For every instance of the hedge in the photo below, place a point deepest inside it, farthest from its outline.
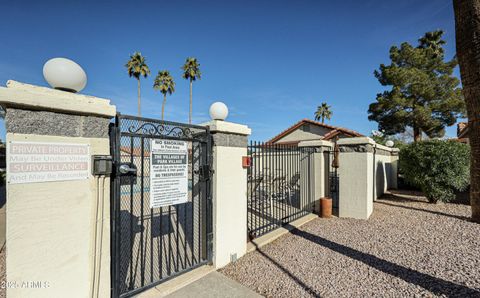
(438, 168)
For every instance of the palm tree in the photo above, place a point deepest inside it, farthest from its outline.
(165, 84)
(323, 112)
(137, 67)
(467, 31)
(191, 71)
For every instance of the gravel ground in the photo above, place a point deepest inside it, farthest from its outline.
(408, 247)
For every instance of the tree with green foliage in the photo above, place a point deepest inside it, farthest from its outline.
(323, 111)
(424, 94)
(433, 40)
(164, 83)
(191, 72)
(136, 68)
(380, 138)
(438, 168)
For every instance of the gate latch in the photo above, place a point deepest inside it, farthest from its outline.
(127, 169)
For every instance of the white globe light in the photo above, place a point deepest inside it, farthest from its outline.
(64, 74)
(389, 143)
(218, 111)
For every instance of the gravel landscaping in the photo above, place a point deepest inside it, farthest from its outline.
(408, 247)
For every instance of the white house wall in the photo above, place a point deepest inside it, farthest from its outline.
(298, 134)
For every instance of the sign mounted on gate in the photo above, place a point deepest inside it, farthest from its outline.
(168, 173)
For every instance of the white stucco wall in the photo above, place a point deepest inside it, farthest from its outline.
(382, 170)
(356, 185)
(394, 174)
(50, 229)
(230, 204)
(54, 248)
(385, 169)
(365, 176)
(229, 194)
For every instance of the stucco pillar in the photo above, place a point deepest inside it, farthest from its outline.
(394, 164)
(58, 232)
(229, 191)
(356, 177)
(321, 169)
(385, 167)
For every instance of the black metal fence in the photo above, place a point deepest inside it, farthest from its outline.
(151, 245)
(333, 181)
(279, 187)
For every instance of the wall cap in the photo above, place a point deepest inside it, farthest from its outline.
(315, 143)
(356, 141)
(383, 147)
(228, 127)
(365, 141)
(21, 95)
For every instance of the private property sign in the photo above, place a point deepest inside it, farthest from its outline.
(168, 173)
(30, 162)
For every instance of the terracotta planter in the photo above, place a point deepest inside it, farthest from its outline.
(326, 207)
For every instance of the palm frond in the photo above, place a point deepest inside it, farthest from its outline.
(323, 112)
(164, 82)
(137, 66)
(191, 69)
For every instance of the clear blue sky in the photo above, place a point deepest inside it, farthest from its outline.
(271, 62)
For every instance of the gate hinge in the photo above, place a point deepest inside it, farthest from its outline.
(210, 246)
(205, 172)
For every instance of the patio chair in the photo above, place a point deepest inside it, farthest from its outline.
(293, 186)
(254, 193)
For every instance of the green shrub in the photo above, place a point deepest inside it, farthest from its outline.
(438, 168)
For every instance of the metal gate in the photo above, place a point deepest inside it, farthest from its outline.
(151, 245)
(279, 186)
(333, 181)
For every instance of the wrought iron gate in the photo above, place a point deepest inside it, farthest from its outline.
(279, 186)
(151, 245)
(333, 181)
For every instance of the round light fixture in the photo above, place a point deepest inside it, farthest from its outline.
(389, 143)
(64, 74)
(218, 111)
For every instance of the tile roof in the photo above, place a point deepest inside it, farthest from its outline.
(335, 130)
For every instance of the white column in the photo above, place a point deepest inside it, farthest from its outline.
(366, 171)
(58, 232)
(229, 191)
(321, 169)
(356, 177)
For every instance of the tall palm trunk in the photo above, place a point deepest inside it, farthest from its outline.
(190, 115)
(467, 31)
(139, 101)
(163, 104)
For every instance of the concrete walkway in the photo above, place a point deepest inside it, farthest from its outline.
(214, 285)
